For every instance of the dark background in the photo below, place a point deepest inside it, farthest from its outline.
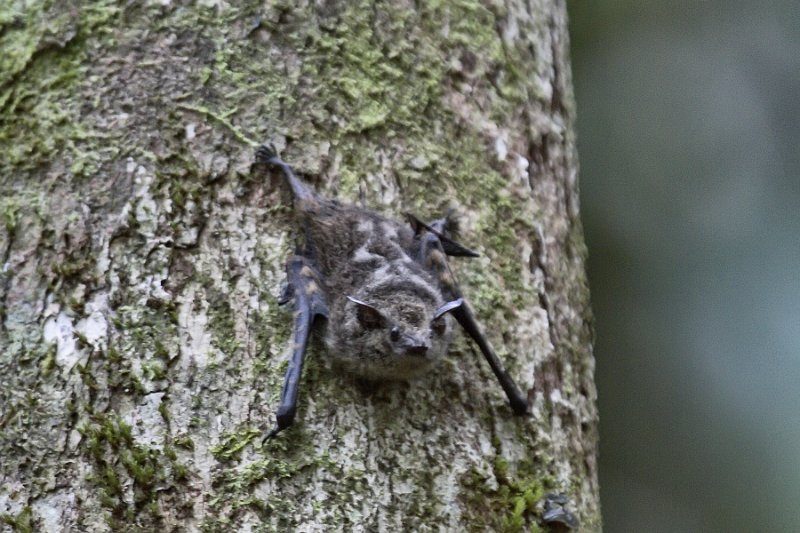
(689, 139)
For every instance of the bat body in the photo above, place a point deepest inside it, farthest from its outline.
(383, 289)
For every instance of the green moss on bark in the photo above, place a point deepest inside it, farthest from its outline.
(510, 506)
(43, 49)
(128, 475)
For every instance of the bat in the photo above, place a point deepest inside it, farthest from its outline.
(381, 291)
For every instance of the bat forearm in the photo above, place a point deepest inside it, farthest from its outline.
(464, 316)
(309, 303)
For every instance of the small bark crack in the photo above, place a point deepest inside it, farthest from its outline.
(6, 273)
(548, 375)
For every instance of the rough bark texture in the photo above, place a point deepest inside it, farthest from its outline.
(142, 346)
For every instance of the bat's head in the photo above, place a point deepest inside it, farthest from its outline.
(398, 334)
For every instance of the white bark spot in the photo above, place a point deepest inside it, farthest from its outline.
(145, 207)
(146, 421)
(195, 339)
(52, 508)
(156, 289)
(190, 130)
(146, 211)
(419, 163)
(510, 31)
(543, 86)
(74, 439)
(59, 330)
(188, 237)
(95, 326)
(522, 165)
(103, 260)
(501, 148)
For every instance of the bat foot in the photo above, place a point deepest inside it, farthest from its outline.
(282, 423)
(267, 155)
(273, 432)
(519, 406)
(283, 420)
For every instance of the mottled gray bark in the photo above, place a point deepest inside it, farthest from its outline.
(142, 346)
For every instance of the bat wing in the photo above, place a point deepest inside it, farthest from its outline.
(310, 304)
(431, 247)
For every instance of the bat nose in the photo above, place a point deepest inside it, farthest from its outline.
(416, 346)
(417, 351)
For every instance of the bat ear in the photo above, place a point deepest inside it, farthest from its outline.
(437, 227)
(417, 225)
(446, 308)
(368, 316)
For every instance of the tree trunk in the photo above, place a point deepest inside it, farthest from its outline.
(143, 348)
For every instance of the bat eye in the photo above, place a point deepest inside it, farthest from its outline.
(438, 326)
(395, 334)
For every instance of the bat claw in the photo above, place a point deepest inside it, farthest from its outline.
(273, 432)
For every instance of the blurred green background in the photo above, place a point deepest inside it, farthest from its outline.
(689, 140)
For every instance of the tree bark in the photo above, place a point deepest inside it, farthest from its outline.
(142, 346)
